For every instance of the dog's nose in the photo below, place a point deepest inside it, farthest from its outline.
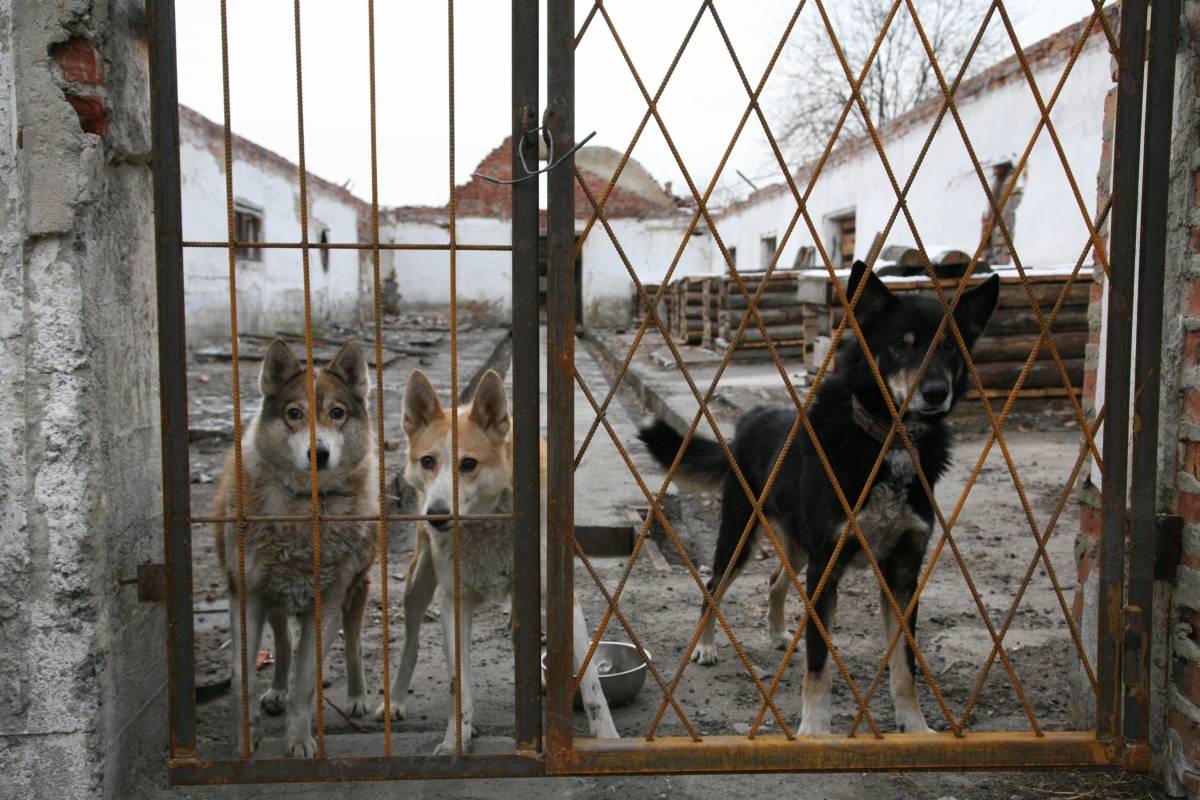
(322, 456)
(438, 510)
(935, 394)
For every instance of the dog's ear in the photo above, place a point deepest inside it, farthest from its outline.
(350, 365)
(489, 408)
(875, 295)
(421, 404)
(976, 308)
(279, 367)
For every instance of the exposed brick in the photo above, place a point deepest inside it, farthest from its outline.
(1194, 240)
(1189, 508)
(1191, 404)
(1193, 305)
(1089, 384)
(1188, 734)
(78, 61)
(1196, 188)
(92, 116)
(1191, 458)
(1191, 347)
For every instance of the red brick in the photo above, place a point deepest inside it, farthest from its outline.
(1191, 458)
(1191, 347)
(1196, 188)
(1190, 561)
(1089, 384)
(1189, 508)
(1193, 306)
(78, 61)
(1191, 403)
(92, 116)
(1194, 239)
(1188, 734)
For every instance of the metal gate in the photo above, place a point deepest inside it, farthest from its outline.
(1118, 672)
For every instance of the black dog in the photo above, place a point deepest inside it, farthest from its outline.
(851, 421)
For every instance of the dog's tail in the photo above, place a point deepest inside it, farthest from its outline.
(703, 463)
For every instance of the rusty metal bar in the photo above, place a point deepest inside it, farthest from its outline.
(172, 366)
(526, 388)
(1156, 169)
(348, 246)
(1118, 355)
(985, 751)
(560, 374)
(363, 768)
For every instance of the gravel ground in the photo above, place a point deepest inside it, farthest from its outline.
(992, 536)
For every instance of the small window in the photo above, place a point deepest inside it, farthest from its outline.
(247, 227)
(842, 244)
(733, 256)
(325, 250)
(767, 251)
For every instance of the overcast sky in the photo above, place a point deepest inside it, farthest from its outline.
(700, 106)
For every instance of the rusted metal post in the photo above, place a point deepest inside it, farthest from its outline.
(1156, 168)
(1118, 356)
(172, 366)
(526, 383)
(560, 374)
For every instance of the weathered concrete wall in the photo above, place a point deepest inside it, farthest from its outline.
(81, 699)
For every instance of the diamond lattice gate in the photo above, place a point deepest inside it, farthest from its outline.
(1112, 660)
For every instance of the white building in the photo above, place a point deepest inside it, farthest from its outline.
(852, 198)
(849, 206)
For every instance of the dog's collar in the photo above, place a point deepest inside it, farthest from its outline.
(878, 429)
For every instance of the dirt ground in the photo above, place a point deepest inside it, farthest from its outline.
(992, 535)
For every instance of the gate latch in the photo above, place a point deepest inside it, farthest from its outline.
(151, 582)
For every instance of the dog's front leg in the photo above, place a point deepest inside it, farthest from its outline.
(449, 744)
(901, 570)
(817, 696)
(274, 700)
(353, 609)
(600, 721)
(419, 588)
(255, 617)
(300, 741)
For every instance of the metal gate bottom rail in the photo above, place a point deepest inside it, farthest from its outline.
(713, 754)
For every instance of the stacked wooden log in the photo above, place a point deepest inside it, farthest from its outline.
(1000, 355)
(692, 307)
(778, 308)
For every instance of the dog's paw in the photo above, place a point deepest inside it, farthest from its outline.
(301, 746)
(815, 725)
(274, 701)
(449, 747)
(356, 706)
(398, 712)
(781, 639)
(705, 654)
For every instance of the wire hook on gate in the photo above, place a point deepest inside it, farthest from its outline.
(554, 162)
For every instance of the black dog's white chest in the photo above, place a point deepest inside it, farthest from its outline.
(888, 515)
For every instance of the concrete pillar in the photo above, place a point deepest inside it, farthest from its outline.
(82, 694)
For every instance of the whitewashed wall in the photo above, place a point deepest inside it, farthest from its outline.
(270, 291)
(650, 245)
(947, 201)
(484, 277)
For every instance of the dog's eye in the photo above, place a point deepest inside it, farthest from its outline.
(428, 462)
(467, 465)
(337, 412)
(295, 414)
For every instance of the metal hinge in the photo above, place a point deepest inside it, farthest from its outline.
(151, 582)
(1168, 546)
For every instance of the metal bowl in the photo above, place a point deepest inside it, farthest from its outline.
(622, 672)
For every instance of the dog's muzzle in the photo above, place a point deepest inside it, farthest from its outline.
(322, 456)
(438, 524)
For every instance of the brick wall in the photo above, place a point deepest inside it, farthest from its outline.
(1175, 679)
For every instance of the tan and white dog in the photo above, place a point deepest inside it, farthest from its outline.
(485, 547)
(279, 555)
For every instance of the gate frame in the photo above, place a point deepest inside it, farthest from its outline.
(1123, 659)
